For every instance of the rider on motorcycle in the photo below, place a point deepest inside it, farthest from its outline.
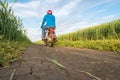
(48, 21)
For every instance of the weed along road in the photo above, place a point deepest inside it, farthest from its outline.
(61, 63)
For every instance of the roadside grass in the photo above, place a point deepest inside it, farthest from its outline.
(38, 42)
(10, 52)
(13, 38)
(102, 45)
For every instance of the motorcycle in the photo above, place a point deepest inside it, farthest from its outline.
(50, 37)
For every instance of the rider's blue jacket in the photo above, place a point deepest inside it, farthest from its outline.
(48, 21)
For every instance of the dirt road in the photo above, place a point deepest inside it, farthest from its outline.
(61, 63)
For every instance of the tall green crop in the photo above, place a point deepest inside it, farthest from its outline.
(104, 31)
(11, 26)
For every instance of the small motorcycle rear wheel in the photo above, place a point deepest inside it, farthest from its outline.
(51, 44)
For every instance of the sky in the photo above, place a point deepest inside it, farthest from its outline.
(71, 15)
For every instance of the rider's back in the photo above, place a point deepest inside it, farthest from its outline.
(50, 20)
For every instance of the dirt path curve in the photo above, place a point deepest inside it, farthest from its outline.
(61, 63)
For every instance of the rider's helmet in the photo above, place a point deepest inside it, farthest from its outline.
(49, 12)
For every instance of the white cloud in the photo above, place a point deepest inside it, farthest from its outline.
(103, 19)
(26, 13)
(30, 5)
(27, 9)
(0, 7)
(52, 1)
(66, 9)
(34, 8)
(106, 17)
(34, 33)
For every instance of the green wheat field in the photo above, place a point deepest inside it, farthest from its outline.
(102, 37)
